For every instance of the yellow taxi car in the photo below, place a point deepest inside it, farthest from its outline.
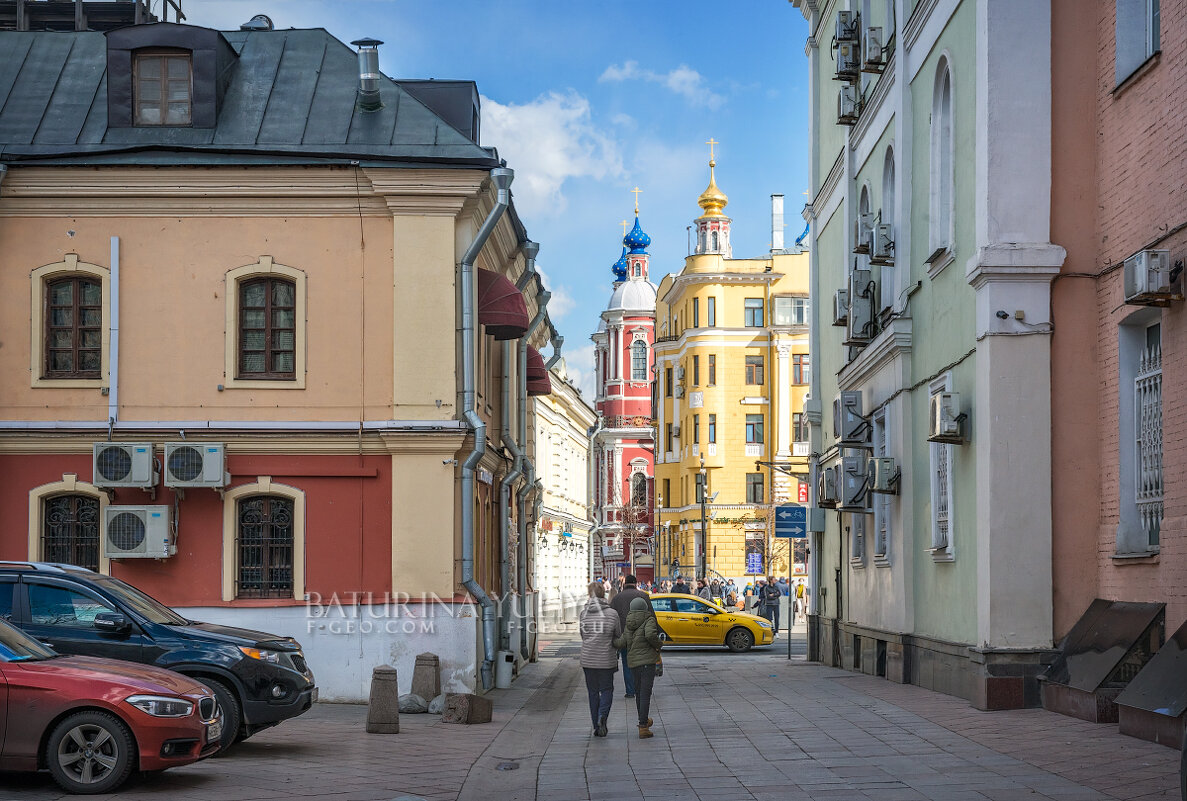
(689, 620)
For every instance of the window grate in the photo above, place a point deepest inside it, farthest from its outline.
(1148, 397)
(70, 532)
(941, 530)
(265, 548)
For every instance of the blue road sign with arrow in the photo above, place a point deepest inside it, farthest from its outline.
(791, 521)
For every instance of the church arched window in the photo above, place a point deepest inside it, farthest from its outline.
(639, 361)
(714, 240)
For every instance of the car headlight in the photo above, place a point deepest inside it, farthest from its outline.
(766, 624)
(160, 706)
(263, 656)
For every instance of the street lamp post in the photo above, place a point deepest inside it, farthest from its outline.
(703, 491)
(658, 543)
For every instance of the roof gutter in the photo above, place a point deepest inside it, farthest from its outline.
(502, 177)
(557, 342)
(542, 299)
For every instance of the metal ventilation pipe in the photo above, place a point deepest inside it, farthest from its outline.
(502, 177)
(776, 222)
(369, 75)
(557, 342)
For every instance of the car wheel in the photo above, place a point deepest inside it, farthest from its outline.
(739, 640)
(232, 714)
(90, 752)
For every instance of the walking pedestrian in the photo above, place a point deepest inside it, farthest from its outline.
(801, 599)
(641, 643)
(769, 597)
(731, 593)
(600, 626)
(681, 586)
(621, 603)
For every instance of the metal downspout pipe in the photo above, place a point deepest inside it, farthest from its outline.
(557, 342)
(502, 177)
(505, 489)
(542, 299)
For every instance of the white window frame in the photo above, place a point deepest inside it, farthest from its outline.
(638, 349)
(941, 186)
(883, 517)
(1137, 36)
(941, 460)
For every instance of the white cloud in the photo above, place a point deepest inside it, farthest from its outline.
(580, 364)
(547, 142)
(562, 302)
(683, 80)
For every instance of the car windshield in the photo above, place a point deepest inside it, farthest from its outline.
(147, 607)
(16, 646)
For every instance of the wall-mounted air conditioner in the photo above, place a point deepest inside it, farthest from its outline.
(841, 307)
(860, 328)
(679, 373)
(678, 391)
(883, 475)
(848, 61)
(196, 464)
(847, 26)
(850, 428)
(882, 251)
(1148, 280)
(826, 488)
(871, 51)
(675, 431)
(945, 418)
(853, 484)
(123, 464)
(138, 532)
(861, 233)
(848, 109)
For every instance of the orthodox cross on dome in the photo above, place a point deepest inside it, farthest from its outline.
(711, 143)
(637, 191)
(623, 224)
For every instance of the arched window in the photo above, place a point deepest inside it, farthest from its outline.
(639, 489)
(639, 361)
(70, 530)
(714, 240)
(264, 547)
(863, 214)
(74, 327)
(941, 188)
(888, 186)
(267, 328)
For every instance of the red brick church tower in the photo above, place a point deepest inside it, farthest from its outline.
(623, 449)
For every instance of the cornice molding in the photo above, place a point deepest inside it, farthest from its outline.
(250, 443)
(917, 21)
(893, 342)
(830, 182)
(882, 89)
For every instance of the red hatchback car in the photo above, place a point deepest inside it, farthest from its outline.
(91, 722)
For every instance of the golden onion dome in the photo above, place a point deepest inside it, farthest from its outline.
(712, 200)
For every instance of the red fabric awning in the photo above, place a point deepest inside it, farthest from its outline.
(501, 307)
(539, 386)
(536, 368)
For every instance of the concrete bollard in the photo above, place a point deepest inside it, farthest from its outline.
(383, 710)
(426, 676)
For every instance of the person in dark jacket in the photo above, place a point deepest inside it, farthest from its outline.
(641, 642)
(600, 626)
(621, 603)
(769, 595)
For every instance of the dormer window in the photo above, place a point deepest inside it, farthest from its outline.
(164, 88)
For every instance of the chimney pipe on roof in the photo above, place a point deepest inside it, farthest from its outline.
(776, 223)
(369, 75)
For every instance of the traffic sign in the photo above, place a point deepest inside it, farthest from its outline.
(791, 521)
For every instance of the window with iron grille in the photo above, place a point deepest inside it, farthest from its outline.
(941, 458)
(754, 370)
(70, 530)
(1148, 407)
(163, 88)
(264, 546)
(74, 328)
(267, 329)
(881, 500)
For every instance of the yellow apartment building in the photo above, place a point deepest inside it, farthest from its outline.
(732, 370)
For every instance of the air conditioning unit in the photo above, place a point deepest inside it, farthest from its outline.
(841, 307)
(847, 105)
(124, 464)
(849, 427)
(679, 373)
(675, 431)
(1148, 279)
(882, 251)
(138, 532)
(678, 391)
(196, 464)
(847, 22)
(853, 483)
(861, 233)
(883, 475)
(848, 61)
(945, 418)
(826, 488)
(871, 51)
(861, 309)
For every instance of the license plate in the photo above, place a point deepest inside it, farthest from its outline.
(214, 731)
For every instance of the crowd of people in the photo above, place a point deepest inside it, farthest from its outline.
(618, 625)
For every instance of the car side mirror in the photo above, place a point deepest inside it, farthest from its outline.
(111, 622)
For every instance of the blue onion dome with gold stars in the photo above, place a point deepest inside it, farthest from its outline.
(636, 240)
(620, 267)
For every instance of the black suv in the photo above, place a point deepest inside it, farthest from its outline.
(259, 679)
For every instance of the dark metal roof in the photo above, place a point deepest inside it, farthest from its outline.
(291, 99)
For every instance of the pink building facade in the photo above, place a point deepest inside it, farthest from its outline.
(623, 452)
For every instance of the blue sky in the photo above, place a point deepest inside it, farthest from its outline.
(587, 101)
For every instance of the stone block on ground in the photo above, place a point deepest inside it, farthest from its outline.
(437, 705)
(426, 676)
(413, 704)
(383, 709)
(467, 708)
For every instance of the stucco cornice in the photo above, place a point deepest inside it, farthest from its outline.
(250, 443)
(830, 182)
(894, 342)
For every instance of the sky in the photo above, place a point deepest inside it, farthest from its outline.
(587, 101)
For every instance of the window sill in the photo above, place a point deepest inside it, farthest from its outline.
(881, 561)
(1145, 67)
(941, 258)
(1150, 557)
(857, 563)
(261, 383)
(70, 383)
(941, 554)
